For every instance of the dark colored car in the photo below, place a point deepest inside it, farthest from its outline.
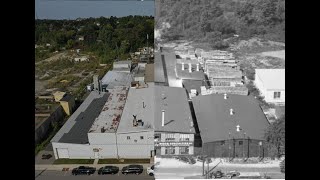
(108, 170)
(217, 174)
(46, 156)
(232, 174)
(132, 169)
(83, 170)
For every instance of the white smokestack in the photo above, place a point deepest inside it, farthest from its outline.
(225, 96)
(182, 66)
(190, 68)
(162, 117)
(197, 67)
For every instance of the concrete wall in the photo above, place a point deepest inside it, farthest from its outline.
(76, 151)
(106, 142)
(135, 147)
(231, 148)
(42, 130)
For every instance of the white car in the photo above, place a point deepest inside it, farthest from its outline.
(150, 171)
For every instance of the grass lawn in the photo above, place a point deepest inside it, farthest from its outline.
(125, 161)
(73, 161)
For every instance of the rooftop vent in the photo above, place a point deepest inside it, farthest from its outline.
(231, 112)
(134, 122)
(103, 130)
(140, 122)
(225, 96)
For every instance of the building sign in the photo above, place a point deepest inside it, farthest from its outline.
(174, 144)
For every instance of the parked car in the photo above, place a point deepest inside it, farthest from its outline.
(108, 170)
(46, 156)
(150, 171)
(217, 174)
(83, 170)
(232, 174)
(132, 169)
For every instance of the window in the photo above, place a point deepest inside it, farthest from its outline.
(184, 150)
(169, 137)
(222, 143)
(240, 142)
(184, 137)
(128, 137)
(170, 150)
(276, 95)
(141, 137)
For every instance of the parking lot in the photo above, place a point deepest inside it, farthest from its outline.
(61, 175)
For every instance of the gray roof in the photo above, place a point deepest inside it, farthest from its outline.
(158, 69)
(76, 128)
(215, 122)
(194, 84)
(149, 77)
(177, 111)
(140, 103)
(114, 78)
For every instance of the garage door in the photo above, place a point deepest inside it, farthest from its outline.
(62, 153)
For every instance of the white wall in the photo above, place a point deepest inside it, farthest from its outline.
(76, 151)
(269, 94)
(128, 148)
(269, 97)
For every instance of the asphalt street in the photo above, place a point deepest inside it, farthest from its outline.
(66, 175)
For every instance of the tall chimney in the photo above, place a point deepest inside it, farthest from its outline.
(198, 67)
(190, 68)
(182, 66)
(225, 96)
(162, 118)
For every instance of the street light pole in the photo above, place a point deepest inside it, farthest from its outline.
(244, 134)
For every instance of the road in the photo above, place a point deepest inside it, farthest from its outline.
(181, 173)
(61, 175)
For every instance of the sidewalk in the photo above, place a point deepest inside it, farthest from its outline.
(59, 167)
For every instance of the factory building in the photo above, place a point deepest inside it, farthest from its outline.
(231, 125)
(174, 130)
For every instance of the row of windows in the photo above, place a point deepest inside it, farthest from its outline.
(172, 150)
(276, 95)
(182, 137)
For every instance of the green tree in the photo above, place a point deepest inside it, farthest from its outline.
(70, 44)
(275, 138)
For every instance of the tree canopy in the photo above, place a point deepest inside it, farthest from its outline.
(194, 19)
(109, 37)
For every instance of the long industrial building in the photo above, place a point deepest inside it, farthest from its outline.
(109, 125)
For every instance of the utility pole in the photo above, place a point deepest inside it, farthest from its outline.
(244, 134)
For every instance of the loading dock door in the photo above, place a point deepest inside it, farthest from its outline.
(63, 153)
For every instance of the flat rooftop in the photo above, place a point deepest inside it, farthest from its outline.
(223, 72)
(149, 74)
(77, 126)
(174, 102)
(158, 69)
(140, 103)
(122, 62)
(114, 78)
(109, 118)
(185, 74)
(215, 122)
(272, 78)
